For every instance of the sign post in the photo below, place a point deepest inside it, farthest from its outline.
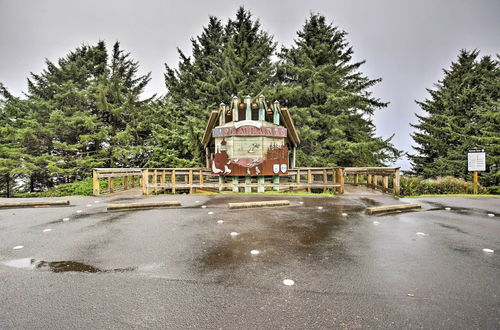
(476, 161)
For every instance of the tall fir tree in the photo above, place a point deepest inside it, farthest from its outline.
(227, 60)
(330, 98)
(463, 112)
(82, 112)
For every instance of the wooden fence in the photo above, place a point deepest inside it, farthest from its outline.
(385, 179)
(173, 180)
(127, 175)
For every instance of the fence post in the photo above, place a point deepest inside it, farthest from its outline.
(172, 180)
(385, 183)
(145, 181)
(356, 179)
(125, 182)
(95, 183)
(190, 180)
(201, 177)
(341, 177)
(309, 180)
(325, 179)
(396, 182)
(111, 184)
(368, 180)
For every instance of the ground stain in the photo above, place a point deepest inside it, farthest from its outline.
(60, 266)
(452, 227)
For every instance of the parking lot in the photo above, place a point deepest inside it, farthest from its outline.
(205, 266)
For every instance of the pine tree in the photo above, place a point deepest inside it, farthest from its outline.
(462, 113)
(330, 100)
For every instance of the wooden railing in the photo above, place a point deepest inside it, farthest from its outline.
(385, 179)
(156, 180)
(127, 175)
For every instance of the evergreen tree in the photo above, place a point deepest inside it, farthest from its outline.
(83, 112)
(330, 100)
(234, 59)
(462, 113)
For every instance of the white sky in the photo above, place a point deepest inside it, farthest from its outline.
(406, 43)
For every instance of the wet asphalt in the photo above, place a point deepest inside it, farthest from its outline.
(180, 268)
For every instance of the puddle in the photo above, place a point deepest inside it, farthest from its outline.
(60, 266)
(370, 202)
(283, 234)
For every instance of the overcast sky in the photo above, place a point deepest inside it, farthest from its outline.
(406, 43)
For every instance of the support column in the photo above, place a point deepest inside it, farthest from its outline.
(261, 180)
(325, 179)
(341, 177)
(96, 189)
(276, 179)
(356, 179)
(374, 181)
(368, 180)
(248, 180)
(294, 156)
(236, 181)
(222, 180)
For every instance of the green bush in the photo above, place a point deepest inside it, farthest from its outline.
(80, 188)
(411, 186)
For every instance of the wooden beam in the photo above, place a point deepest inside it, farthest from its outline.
(147, 205)
(392, 208)
(395, 183)
(5, 205)
(258, 204)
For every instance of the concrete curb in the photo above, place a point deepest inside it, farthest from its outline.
(128, 206)
(392, 208)
(257, 204)
(7, 205)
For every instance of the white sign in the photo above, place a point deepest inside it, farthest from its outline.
(276, 168)
(283, 168)
(476, 160)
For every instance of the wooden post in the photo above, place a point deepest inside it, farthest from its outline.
(261, 180)
(201, 177)
(297, 179)
(248, 111)
(309, 180)
(248, 180)
(395, 183)
(385, 183)
(162, 178)
(125, 182)
(475, 180)
(236, 103)
(236, 180)
(276, 179)
(95, 183)
(111, 184)
(325, 179)
(375, 181)
(356, 179)
(190, 181)
(145, 181)
(341, 180)
(207, 158)
(155, 180)
(368, 180)
(222, 180)
(294, 157)
(172, 180)
(132, 182)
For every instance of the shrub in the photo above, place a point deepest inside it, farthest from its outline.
(448, 185)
